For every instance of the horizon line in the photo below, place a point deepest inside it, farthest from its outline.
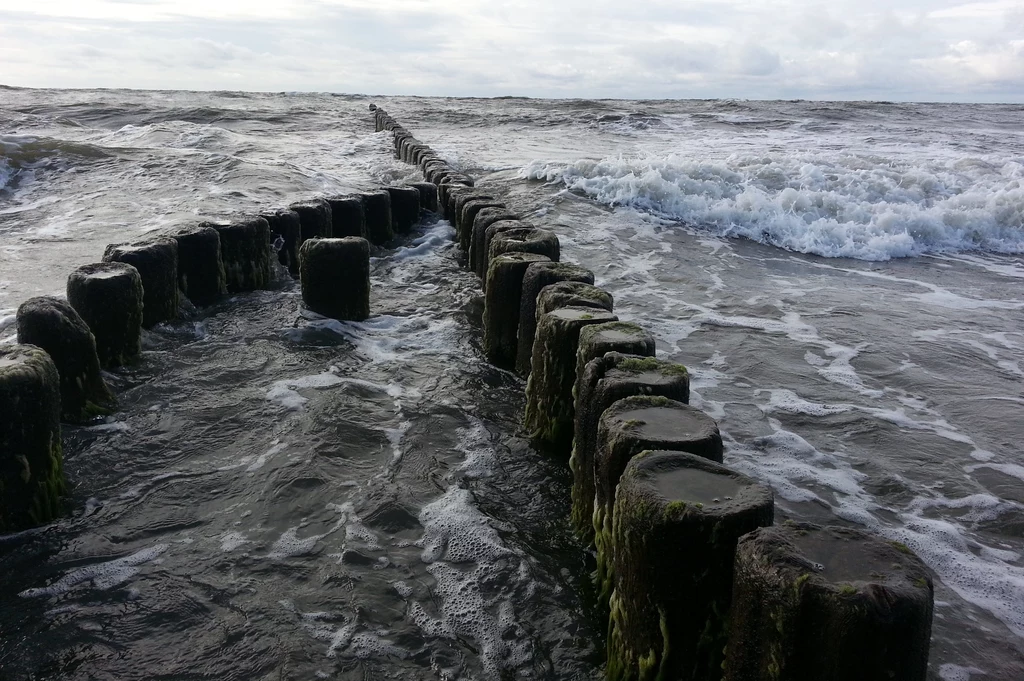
(5, 86)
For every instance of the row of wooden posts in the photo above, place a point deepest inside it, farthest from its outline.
(695, 579)
(53, 373)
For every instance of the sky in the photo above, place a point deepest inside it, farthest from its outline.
(898, 50)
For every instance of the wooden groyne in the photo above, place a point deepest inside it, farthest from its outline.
(696, 580)
(53, 374)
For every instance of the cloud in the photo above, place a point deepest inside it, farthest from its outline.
(871, 49)
(754, 60)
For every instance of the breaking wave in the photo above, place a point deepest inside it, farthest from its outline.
(847, 206)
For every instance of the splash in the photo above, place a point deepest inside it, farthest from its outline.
(834, 206)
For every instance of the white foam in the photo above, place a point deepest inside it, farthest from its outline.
(258, 462)
(289, 544)
(464, 551)
(1011, 469)
(1011, 366)
(983, 579)
(101, 575)
(936, 295)
(434, 239)
(952, 672)
(841, 372)
(110, 427)
(788, 401)
(465, 612)
(1013, 270)
(232, 540)
(938, 426)
(402, 589)
(347, 640)
(285, 393)
(355, 531)
(838, 370)
(839, 206)
(388, 338)
(475, 443)
(455, 531)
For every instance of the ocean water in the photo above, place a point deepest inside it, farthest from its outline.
(283, 496)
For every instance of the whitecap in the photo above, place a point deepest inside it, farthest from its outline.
(839, 206)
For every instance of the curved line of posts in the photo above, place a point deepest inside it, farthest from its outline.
(694, 577)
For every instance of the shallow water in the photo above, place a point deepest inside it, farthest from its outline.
(287, 497)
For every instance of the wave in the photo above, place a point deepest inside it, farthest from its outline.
(854, 206)
(24, 150)
(21, 156)
(7, 173)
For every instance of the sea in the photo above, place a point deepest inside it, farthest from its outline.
(283, 496)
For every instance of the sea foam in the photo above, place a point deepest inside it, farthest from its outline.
(841, 206)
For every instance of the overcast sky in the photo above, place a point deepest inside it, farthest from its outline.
(843, 49)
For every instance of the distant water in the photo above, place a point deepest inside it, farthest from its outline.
(288, 497)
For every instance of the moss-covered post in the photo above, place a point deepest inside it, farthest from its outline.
(435, 169)
(31, 458)
(453, 186)
(447, 178)
(245, 252)
(833, 603)
(459, 201)
(315, 218)
(403, 147)
(200, 269)
(347, 217)
(455, 196)
(501, 306)
(549, 401)
(572, 294)
(417, 153)
(438, 172)
(335, 277)
(467, 216)
(483, 220)
(108, 296)
(411, 148)
(448, 188)
(53, 325)
(405, 207)
(459, 198)
(525, 240)
(286, 234)
(157, 263)
(628, 427)
(677, 519)
(428, 195)
(377, 210)
(412, 152)
(483, 257)
(604, 381)
(623, 337)
(427, 157)
(536, 278)
(402, 141)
